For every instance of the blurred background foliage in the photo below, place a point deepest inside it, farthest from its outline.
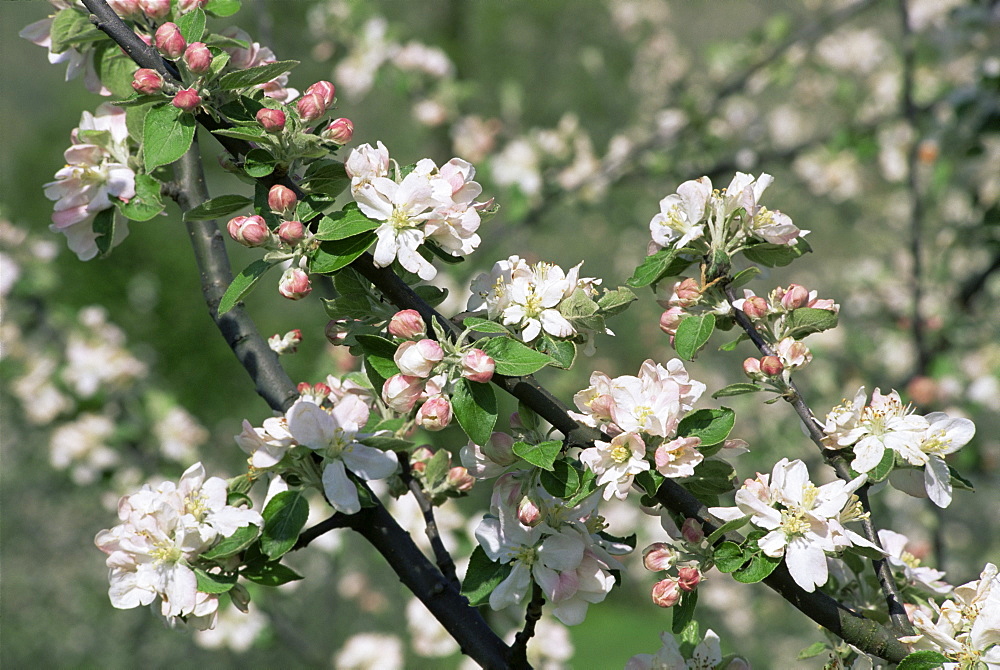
(580, 116)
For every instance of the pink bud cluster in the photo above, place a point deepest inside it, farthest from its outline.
(781, 301)
(316, 100)
(684, 294)
(663, 556)
(456, 482)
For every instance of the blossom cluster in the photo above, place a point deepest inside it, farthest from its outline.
(326, 421)
(428, 204)
(641, 414)
(707, 654)
(967, 629)
(805, 522)
(529, 297)
(868, 429)
(153, 552)
(684, 554)
(428, 370)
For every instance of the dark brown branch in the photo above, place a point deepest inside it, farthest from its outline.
(519, 650)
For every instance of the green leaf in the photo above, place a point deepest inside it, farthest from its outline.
(485, 326)
(776, 255)
(386, 443)
(167, 133)
(216, 208)
(807, 320)
(815, 649)
(333, 255)
(146, 203)
(436, 469)
(711, 478)
(652, 269)
(284, 518)
(104, 226)
(192, 25)
(222, 8)
(243, 283)
(735, 524)
(649, 481)
(731, 346)
(214, 583)
(259, 163)
(255, 75)
(345, 223)
(736, 389)
(884, 467)
(482, 576)
(513, 358)
(683, 612)
(711, 425)
(960, 482)
(563, 352)
(475, 407)
(616, 301)
(925, 659)
(326, 176)
(729, 557)
(379, 353)
(563, 481)
(115, 69)
(760, 566)
(234, 544)
(541, 455)
(744, 277)
(692, 334)
(71, 26)
(578, 304)
(271, 573)
(246, 133)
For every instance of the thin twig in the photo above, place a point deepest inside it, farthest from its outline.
(443, 559)
(519, 650)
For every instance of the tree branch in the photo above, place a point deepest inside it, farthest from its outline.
(519, 650)
(443, 559)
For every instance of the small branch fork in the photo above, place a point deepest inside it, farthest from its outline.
(444, 560)
(375, 524)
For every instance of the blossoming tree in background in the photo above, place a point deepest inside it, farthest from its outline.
(372, 229)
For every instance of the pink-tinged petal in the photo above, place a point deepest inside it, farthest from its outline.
(937, 481)
(867, 454)
(369, 462)
(339, 489)
(351, 412)
(38, 33)
(561, 552)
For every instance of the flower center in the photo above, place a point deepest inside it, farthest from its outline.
(194, 504)
(794, 522)
(165, 552)
(400, 220)
(935, 443)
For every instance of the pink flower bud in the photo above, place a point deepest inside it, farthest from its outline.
(310, 107)
(602, 406)
(187, 99)
(281, 199)
(407, 324)
(670, 319)
(400, 392)
(250, 231)
(665, 593)
(459, 479)
(147, 81)
(304, 388)
(185, 6)
(271, 120)
(477, 366)
(688, 292)
(420, 457)
(294, 284)
(197, 57)
(155, 9)
(771, 366)
(751, 367)
(688, 578)
(340, 131)
(795, 296)
(793, 354)
(336, 331)
(435, 414)
(692, 531)
(418, 359)
(500, 449)
(755, 307)
(325, 90)
(291, 232)
(528, 513)
(658, 556)
(169, 41)
(125, 8)
(320, 390)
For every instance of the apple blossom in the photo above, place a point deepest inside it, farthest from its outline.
(325, 90)
(401, 392)
(250, 231)
(418, 358)
(339, 131)
(708, 654)
(658, 556)
(253, 56)
(169, 41)
(681, 214)
(771, 366)
(155, 9)
(197, 57)
(616, 463)
(666, 592)
(678, 457)
(285, 344)
(478, 366)
(271, 120)
(435, 414)
(792, 353)
(365, 164)
(187, 99)
(310, 107)
(898, 557)
(688, 578)
(407, 324)
(147, 82)
(294, 284)
(291, 232)
(459, 479)
(266, 445)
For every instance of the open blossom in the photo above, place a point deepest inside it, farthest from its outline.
(77, 62)
(898, 557)
(163, 530)
(96, 173)
(945, 435)
(616, 463)
(708, 654)
(253, 56)
(403, 208)
(682, 214)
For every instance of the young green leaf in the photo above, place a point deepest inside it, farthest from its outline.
(146, 203)
(271, 573)
(513, 358)
(482, 576)
(222, 8)
(616, 301)
(884, 467)
(776, 255)
(255, 75)
(333, 255)
(214, 583)
(379, 353)
(243, 283)
(234, 544)
(711, 425)
(807, 320)
(345, 223)
(541, 455)
(729, 557)
(192, 25)
(563, 352)
(216, 208)
(563, 481)
(925, 659)
(683, 612)
(737, 389)
(167, 133)
(692, 334)
(475, 407)
(284, 518)
(259, 163)
(652, 269)
(760, 566)
(815, 649)
(485, 326)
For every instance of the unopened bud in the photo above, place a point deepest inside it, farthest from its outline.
(169, 41)
(291, 232)
(294, 284)
(187, 100)
(459, 479)
(340, 131)
(419, 358)
(601, 406)
(155, 9)
(325, 90)
(670, 319)
(271, 120)
(688, 292)
(477, 366)
(435, 414)
(281, 199)
(666, 593)
(658, 556)
(795, 296)
(751, 367)
(125, 8)
(240, 598)
(400, 392)
(320, 390)
(147, 81)
(407, 324)
(755, 307)
(310, 107)
(419, 459)
(197, 57)
(185, 6)
(500, 449)
(692, 531)
(528, 512)
(688, 578)
(771, 366)
(336, 330)
(250, 231)
(304, 388)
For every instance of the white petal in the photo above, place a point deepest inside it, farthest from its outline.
(937, 481)
(369, 462)
(339, 489)
(807, 564)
